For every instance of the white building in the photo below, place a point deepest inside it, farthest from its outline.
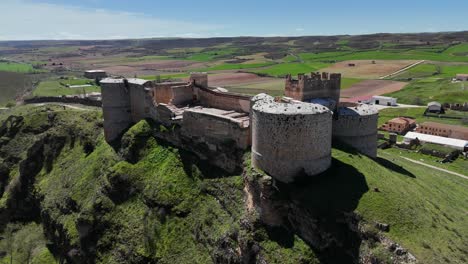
(383, 100)
(448, 142)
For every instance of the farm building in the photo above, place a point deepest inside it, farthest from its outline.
(435, 107)
(462, 77)
(399, 125)
(443, 141)
(95, 74)
(383, 100)
(443, 130)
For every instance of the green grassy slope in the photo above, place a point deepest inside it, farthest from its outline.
(432, 89)
(425, 208)
(145, 201)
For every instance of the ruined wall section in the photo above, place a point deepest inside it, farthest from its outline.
(115, 107)
(139, 103)
(214, 128)
(357, 126)
(289, 140)
(199, 79)
(162, 92)
(315, 86)
(182, 95)
(225, 101)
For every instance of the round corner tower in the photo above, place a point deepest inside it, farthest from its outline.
(116, 107)
(290, 139)
(356, 125)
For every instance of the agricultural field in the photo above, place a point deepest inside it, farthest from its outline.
(421, 92)
(374, 56)
(371, 87)
(57, 87)
(368, 69)
(418, 114)
(17, 67)
(12, 84)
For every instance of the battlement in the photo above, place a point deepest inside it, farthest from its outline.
(313, 86)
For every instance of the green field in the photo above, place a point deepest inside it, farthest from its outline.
(454, 54)
(212, 55)
(459, 166)
(281, 70)
(417, 113)
(432, 89)
(234, 66)
(16, 67)
(165, 76)
(54, 88)
(425, 208)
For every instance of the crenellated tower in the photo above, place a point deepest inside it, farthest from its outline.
(316, 86)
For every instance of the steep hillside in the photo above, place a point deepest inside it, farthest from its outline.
(68, 195)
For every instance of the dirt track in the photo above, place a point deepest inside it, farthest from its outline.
(367, 69)
(372, 87)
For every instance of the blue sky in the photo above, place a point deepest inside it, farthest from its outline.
(110, 19)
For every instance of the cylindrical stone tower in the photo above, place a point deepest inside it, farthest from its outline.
(115, 107)
(290, 139)
(356, 125)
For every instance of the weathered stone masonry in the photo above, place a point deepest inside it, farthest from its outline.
(290, 136)
(290, 139)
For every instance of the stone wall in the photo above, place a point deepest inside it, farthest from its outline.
(115, 107)
(138, 98)
(357, 127)
(225, 101)
(182, 95)
(65, 100)
(199, 79)
(162, 92)
(314, 86)
(214, 129)
(289, 140)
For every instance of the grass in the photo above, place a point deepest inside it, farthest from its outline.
(434, 70)
(165, 76)
(164, 206)
(234, 66)
(212, 55)
(425, 208)
(13, 84)
(17, 67)
(281, 70)
(348, 82)
(417, 113)
(459, 166)
(55, 88)
(432, 89)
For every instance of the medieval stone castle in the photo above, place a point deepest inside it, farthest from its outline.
(288, 136)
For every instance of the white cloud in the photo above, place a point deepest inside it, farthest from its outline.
(299, 29)
(23, 20)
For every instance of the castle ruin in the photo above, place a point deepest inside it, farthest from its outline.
(288, 136)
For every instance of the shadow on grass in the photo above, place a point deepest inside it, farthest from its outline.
(394, 167)
(320, 210)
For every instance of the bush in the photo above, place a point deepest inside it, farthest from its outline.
(10, 104)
